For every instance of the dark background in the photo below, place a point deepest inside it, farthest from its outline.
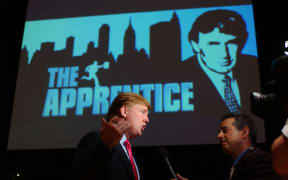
(195, 161)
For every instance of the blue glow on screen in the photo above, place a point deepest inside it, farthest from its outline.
(86, 29)
(71, 69)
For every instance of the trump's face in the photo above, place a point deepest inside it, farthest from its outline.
(137, 116)
(218, 51)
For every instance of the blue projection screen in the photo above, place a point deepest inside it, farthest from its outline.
(72, 67)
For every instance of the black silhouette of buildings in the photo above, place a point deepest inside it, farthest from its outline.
(133, 66)
(165, 55)
(103, 42)
(165, 47)
(99, 53)
(165, 42)
(132, 61)
(129, 40)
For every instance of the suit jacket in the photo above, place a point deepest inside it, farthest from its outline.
(255, 164)
(207, 100)
(93, 161)
(208, 103)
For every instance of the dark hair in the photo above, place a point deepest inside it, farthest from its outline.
(228, 22)
(242, 120)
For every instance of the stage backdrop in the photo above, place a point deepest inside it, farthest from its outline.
(77, 56)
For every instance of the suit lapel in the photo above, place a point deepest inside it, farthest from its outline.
(239, 164)
(204, 83)
(124, 159)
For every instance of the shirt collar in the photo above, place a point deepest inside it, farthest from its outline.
(123, 139)
(241, 154)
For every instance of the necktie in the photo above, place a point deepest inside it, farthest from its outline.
(229, 96)
(128, 147)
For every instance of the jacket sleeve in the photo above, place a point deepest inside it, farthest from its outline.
(91, 157)
(258, 166)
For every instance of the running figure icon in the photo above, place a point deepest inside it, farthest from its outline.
(92, 69)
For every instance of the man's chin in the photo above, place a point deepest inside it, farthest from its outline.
(224, 70)
(221, 69)
(139, 133)
(225, 148)
(226, 151)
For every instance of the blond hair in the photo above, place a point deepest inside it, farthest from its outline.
(125, 99)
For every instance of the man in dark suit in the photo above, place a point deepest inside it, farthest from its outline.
(105, 154)
(222, 76)
(237, 136)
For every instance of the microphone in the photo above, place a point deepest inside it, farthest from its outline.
(164, 153)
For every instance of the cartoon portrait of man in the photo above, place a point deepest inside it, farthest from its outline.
(223, 77)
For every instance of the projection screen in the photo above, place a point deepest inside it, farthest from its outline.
(74, 62)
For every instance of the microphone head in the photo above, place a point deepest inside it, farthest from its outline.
(163, 151)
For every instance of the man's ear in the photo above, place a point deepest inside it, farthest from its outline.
(123, 111)
(195, 46)
(245, 132)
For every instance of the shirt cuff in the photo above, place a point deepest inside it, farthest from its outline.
(285, 129)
